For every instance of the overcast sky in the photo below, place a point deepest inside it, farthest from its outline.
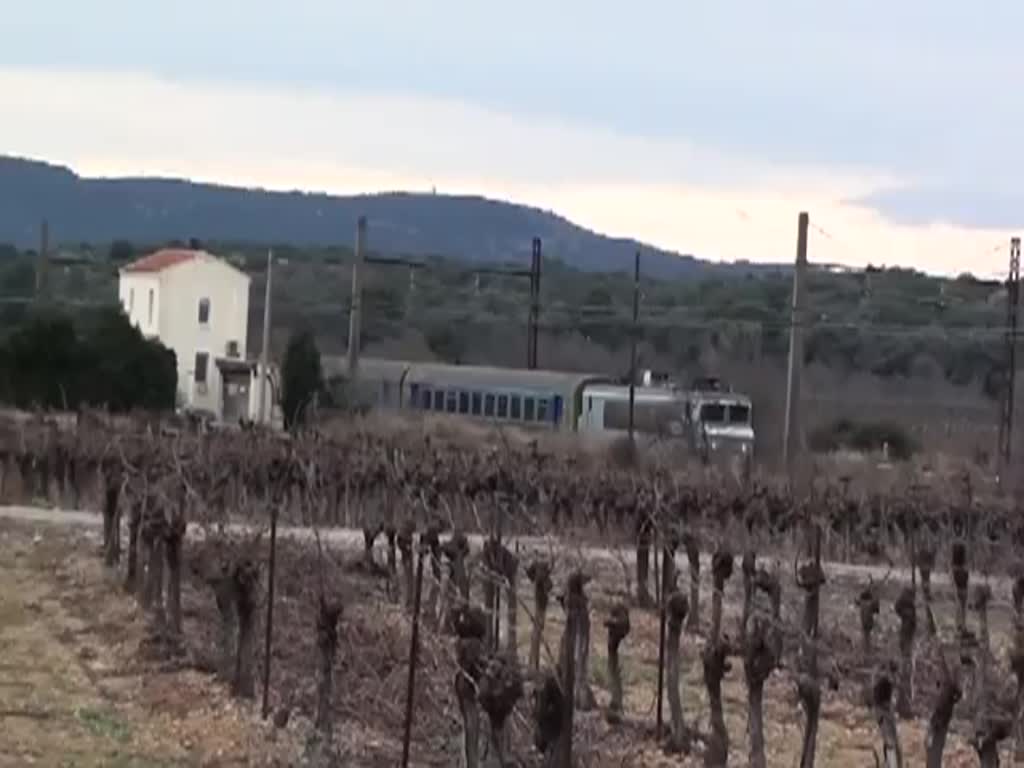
(699, 126)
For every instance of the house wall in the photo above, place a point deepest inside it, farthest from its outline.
(177, 291)
(134, 291)
(184, 286)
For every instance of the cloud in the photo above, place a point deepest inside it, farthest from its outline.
(676, 194)
(996, 206)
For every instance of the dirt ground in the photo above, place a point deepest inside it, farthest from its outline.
(73, 688)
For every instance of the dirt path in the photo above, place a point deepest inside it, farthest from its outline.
(351, 538)
(74, 690)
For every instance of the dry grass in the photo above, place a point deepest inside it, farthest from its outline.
(73, 690)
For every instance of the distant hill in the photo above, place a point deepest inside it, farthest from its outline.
(152, 210)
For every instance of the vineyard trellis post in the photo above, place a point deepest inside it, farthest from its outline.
(410, 693)
(792, 436)
(662, 603)
(270, 609)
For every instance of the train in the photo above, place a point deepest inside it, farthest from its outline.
(707, 416)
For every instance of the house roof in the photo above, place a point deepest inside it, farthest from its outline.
(161, 260)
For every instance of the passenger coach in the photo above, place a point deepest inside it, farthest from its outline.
(542, 399)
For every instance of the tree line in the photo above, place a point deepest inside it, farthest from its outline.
(890, 323)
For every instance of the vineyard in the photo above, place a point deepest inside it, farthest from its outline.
(405, 599)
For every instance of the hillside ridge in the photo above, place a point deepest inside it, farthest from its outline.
(158, 209)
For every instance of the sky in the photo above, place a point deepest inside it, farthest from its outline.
(701, 127)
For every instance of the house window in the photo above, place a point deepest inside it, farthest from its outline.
(463, 402)
(502, 406)
(202, 361)
(149, 313)
(516, 407)
(204, 311)
(528, 408)
(477, 402)
(489, 405)
(232, 349)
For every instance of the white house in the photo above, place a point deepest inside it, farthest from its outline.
(197, 305)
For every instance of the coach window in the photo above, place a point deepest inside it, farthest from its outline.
(463, 402)
(502, 406)
(438, 399)
(477, 402)
(488, 405)
(528, 408)
(424, 399)
(542, 409)
(452, 401)
(517, 407)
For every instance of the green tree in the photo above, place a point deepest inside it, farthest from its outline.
(17, 278)
(301, 377)
(126, 370)
(43, 360)
(121, 251)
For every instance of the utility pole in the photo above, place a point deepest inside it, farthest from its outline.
(1010, 389)
(264, 367)
(43, 262)
(792, 443)
(355, 313)
(531, 331)
(632, 349)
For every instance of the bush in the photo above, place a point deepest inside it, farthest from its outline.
(49, 363)
(865, 437)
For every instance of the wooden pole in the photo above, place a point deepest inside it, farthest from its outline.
(793, 438)
(355, 312)
(632, 350)
(264, 367)
(43, 262)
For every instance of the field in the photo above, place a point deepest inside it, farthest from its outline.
(76, 688)
(165, 593)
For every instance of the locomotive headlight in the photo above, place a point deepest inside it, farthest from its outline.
(714, 445)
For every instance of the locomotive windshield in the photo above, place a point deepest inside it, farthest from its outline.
(712, 413)
(739, 414)
(725, 413)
